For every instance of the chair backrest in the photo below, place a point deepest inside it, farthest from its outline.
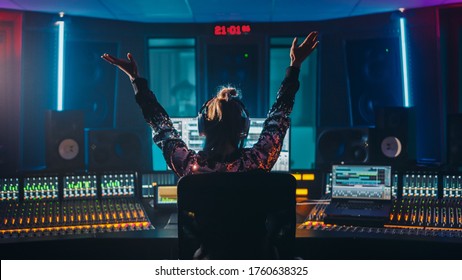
(249, 215)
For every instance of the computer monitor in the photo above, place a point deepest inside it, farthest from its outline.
(151, 181)
(361, 182)
(188, 130)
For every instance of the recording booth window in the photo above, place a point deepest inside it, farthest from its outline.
(303, 126)
(172, 76)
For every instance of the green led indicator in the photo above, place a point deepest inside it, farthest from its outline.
(246, 55)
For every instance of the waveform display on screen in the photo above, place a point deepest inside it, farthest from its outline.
(354, 181)
(9, 189)
(80, 186)
(118, 184)
(149, 181)
(167, 195)
(41, 187)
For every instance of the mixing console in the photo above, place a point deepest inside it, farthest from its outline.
(51, 218)
(37, 206)
(424, 204)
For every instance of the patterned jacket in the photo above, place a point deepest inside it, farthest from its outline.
(183, 161)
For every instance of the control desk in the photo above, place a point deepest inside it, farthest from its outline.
(132, 215)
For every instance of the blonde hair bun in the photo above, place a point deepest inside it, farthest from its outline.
(226, 93)
(215, 109)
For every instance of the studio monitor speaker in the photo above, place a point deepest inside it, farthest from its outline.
(341, 145)
(65, 140)
(393, 140)
(118, 149)
(374, 77)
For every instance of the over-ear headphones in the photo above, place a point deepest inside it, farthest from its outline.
(204, 125)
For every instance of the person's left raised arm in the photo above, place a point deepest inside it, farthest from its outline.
(269, 144)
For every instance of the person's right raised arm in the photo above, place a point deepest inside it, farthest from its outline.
(175, 151)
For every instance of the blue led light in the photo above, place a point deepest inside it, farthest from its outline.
(60, 65)
(402, 23)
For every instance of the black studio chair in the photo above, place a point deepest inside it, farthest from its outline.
(248, 215)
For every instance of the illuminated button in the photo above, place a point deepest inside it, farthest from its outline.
(297, 177)
(308, 177)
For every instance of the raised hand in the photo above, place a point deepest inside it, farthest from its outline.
(299, 53)
(128, 66)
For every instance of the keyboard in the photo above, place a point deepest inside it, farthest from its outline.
(358, 205)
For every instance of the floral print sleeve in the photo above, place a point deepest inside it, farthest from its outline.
(264, 154)
(183, 161)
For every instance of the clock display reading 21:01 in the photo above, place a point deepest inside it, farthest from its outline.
(222, 30)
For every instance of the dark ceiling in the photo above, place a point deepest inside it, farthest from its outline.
(152, 11)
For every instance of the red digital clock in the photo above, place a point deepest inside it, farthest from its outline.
(222, 30)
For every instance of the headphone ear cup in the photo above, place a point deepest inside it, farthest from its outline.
(245, 127)
(202, 118)
(201, 124)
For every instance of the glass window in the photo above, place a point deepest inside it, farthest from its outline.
(303, 126)
(172, 77)
(172, 74)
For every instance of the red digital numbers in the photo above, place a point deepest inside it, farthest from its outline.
(222, 30)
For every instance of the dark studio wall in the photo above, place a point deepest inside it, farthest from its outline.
(340, 103)
(425, 83)
(451, 61)
(10, 86)
(90, 85)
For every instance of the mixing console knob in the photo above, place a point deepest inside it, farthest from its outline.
(443, 216)
(437, 216)
(459, 217)
(451, 216)
(421, 216)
